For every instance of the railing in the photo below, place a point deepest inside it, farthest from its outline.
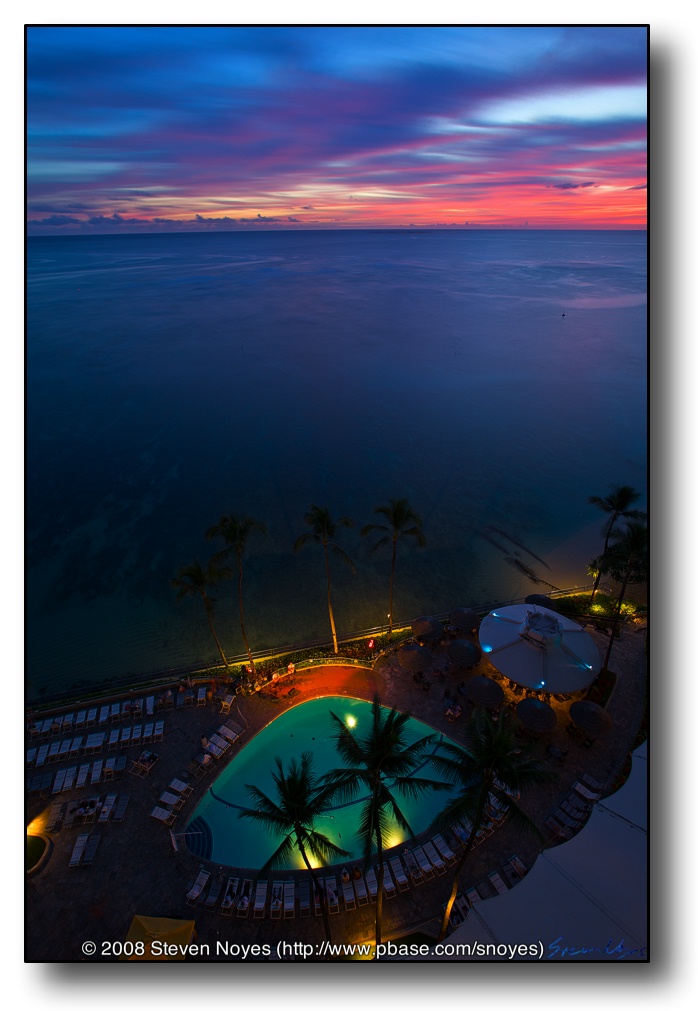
(166, 678)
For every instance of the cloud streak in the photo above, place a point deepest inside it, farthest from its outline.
(145, 128)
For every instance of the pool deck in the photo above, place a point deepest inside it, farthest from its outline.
(137, 871)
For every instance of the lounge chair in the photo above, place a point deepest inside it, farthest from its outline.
(388, 883)
(103, 716)
(136, 735)
(163, 814)
(331, 894)
(289, 900)
(173, 800)
(159, 730)
(53, 750)
(120, 809)
(83, 773)
(150, 705)
(78, 849)
(147, 735)
(235, 727)
(115, 712)
(304, 897)
(91, 848)
(96, 774)
(371, 883)
(424, 862)
(473, 896)
(194, 893)
(229, 896)
(91, 718)
(277, 900)
(41, 756)
(201, 697)
(495, 879)
(226, 732)
(64, 749)
(70, 775)
(213, 893)
(444, 849)
(113, 742)
(55, 817)
(58, 781)
(360, 889)
(243, 903)
(182, 788)
(260, 899)
(399, 872)
(349, 896)
(434, 858)
(76, 747)
(107, 807)
(80, 719)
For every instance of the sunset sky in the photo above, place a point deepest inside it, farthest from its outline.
(202, 128)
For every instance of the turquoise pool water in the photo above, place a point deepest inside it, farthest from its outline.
(216, 831)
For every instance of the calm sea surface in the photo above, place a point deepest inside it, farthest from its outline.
(171, 379)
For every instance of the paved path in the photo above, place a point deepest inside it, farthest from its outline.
(137, 871)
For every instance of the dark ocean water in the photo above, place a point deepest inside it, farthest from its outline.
(173, 378)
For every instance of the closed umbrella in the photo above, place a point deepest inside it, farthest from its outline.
(536, 715)
(413, 657)
(464, 653)
(541, 600)
(428, 629)
(590, 717)
(464, 618)
(484, 692)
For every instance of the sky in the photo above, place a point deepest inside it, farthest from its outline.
(167, 128)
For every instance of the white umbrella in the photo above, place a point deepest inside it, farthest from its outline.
(535, 647)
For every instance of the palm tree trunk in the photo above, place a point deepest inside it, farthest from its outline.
(392, 583)
(329, 601)
(207, 606)
(459, 867)
(609, 528)
(379, 894)
(318, 886)
(242, 615)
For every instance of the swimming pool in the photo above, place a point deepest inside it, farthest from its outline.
(215, 830)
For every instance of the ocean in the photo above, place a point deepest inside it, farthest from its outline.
(496, 379)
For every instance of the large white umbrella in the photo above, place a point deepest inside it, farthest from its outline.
(535, 647)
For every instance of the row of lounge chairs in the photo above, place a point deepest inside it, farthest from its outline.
(112, 807)
(495, 883)
(574, 810)
(171, 801)
(217, 746)
(85, 849)
(75, 777)
(99, 716)
(73, 747)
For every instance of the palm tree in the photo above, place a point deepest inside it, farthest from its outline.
(301, 799)
(493, 767)
(626, 562)
(194, 579)
(401, 522)
(382, 763)
(235, 531)
(323, 531)
(616, 505)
